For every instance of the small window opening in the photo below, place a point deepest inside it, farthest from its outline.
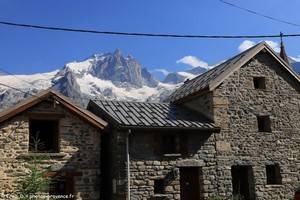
(264, 123)
(273, 174)
(43, 136)
(159, 186)
(259, 82)
(171, 144)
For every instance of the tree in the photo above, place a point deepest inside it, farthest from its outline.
(35, 182)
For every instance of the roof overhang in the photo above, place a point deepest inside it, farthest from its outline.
(215, 129)
(261, 46)
(61, 99)
(248, 55)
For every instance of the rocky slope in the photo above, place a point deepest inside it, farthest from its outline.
(101, 76)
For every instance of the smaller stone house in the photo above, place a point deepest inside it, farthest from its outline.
(69, 139)
(149, 144)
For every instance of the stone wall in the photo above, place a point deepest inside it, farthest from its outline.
(147, 165)
(79, 150)
(236, 104)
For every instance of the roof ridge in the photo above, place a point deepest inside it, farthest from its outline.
(213, 77)
(57, 96)
(229, 59)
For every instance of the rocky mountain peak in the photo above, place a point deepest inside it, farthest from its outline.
(117, 52)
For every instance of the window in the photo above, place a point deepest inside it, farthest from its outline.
(264, 123)
(43, 136)
(259, 82)
(159, 186)
(273, 174)
(171, 144)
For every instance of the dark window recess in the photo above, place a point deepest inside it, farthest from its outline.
(243, 182)
(159, 186)
(43, 136)
(273, 174)
(170, 144)
(174, 144)
(264, 123)
(259, 82)
(62, 186)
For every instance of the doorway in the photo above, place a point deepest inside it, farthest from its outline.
(190, 183)
(243, 182)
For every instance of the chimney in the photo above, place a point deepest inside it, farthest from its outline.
(282, 53)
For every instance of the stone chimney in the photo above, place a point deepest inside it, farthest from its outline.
(282, 53)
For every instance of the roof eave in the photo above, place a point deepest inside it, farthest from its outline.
(191, 96)
(215, 129)
(32, 101)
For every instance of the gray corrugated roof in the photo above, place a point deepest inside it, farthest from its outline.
(212, 78)
(152, 115)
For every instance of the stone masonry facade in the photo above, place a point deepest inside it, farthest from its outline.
(79, 145)
(236, 104)
(147, 164)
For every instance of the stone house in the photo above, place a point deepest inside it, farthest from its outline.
(232, 131)
(69, 139)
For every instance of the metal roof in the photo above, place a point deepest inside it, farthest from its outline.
(213, 77)
(151, 115)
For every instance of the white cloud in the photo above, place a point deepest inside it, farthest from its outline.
(163, 71)
(274, 45)
(246, 45)
(192, 61)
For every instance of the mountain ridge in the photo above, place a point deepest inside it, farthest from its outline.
(105, 76)
(109, 76)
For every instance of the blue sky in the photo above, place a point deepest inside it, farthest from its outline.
(25, 51)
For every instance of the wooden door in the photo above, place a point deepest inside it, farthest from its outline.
(190, 183)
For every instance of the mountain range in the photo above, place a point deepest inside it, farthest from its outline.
(101, 76)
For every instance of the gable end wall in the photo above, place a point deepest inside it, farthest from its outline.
(234, 107)
(79, 149)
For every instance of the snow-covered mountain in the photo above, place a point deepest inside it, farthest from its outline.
(179, 77)
(101, 76)
(295, 65)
